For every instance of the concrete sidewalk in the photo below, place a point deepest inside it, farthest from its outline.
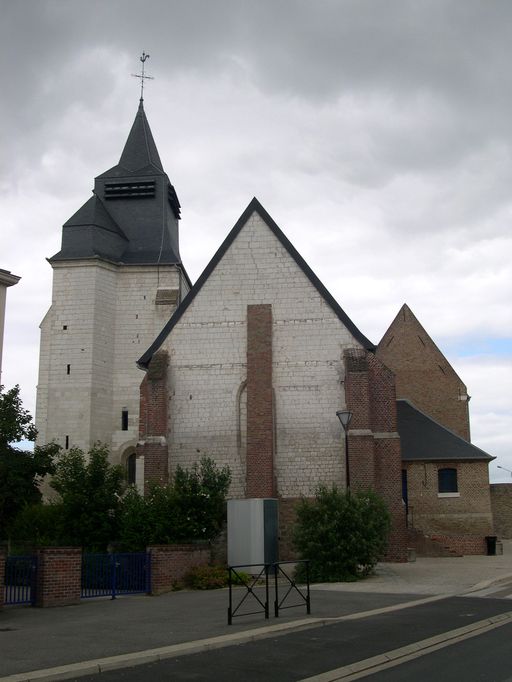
(445, 575)
(127, 628)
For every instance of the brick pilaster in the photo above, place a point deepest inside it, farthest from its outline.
(374, 444)
(59, 574)
(153, 422)
(260, 479)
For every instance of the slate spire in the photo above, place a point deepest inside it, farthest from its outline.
(140, 149)
(133, 216)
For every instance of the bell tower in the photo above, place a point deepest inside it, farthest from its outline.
(116, 280)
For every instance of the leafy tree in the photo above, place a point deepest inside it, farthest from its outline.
(135, 521)
(343, 535)
(21, 471)
(191, 507)
(37, 525)
(199, 495)
(90, 489)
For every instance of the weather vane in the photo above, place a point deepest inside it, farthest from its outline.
(143, 76)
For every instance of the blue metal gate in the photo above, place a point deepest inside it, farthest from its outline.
(20, 580)
(110, 575)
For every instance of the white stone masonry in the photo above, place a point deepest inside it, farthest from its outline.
(207, 350)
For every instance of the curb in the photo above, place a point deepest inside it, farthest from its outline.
(390, 659)
(99, 665)
(488, 583)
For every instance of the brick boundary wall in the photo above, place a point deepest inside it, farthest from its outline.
(2, 573)
(169, 563)
(462, 544)
(153, 426)
(59, 575)
(501, 503)
(260, 479)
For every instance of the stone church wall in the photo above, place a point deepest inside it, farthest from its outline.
(76, 374)
(101, 319)
(208, 365)
(138, 321)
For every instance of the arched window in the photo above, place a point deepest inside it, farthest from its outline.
(447, 480)
(131, 468)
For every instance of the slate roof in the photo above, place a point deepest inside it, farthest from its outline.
(132, 218)
(254, 207)
(93, 212)
(140, 154)
(422, 438)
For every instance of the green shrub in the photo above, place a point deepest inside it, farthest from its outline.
(189, 509)
(213, 578)
(343, 535)
(206, 578)
(240, 578)
(135, 530)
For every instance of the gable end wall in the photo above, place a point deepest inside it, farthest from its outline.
(208, 368)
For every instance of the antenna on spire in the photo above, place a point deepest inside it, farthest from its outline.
(143, 76)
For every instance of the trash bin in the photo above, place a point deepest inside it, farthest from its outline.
(491, 544)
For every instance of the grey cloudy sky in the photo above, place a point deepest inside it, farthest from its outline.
(377, 134)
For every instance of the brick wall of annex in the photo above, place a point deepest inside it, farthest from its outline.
(423, 374)
(468, 514)
(501, 502)
(208, 368)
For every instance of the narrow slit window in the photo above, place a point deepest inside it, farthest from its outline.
(131, 469)
(124, 419)
(68, 369)
(67, 442)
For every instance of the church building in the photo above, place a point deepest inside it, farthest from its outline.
(248, 366)
(251, 370)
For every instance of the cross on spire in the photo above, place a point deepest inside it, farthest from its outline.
(143, 76)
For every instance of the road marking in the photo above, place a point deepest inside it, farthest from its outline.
(390, 659)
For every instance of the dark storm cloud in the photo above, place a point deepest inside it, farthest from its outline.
(377, 133)
(438, 71)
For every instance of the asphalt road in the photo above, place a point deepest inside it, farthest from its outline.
(292, 657)
(486, 658)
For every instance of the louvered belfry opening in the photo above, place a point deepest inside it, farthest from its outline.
(130, 190)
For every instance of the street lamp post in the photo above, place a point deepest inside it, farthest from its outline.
(345, 416)
(504, 469)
